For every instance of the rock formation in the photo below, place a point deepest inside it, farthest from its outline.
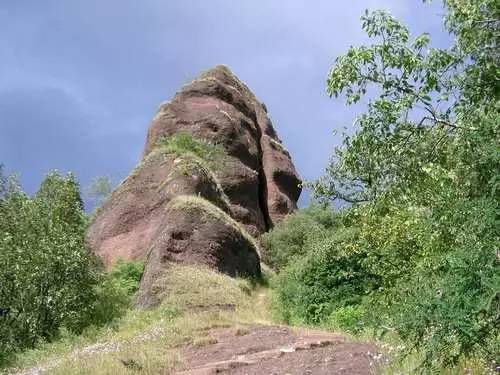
(177, 207)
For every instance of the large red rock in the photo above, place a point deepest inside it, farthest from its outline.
(282, 182)
(255, 186)
(220, 108)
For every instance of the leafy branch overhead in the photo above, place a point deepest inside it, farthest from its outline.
(416, 252)
(418, 98)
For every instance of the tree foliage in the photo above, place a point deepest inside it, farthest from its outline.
(98, 190)
(417, 251)
(423, 100)
(287, 240)
(49, 279)
(47, 275)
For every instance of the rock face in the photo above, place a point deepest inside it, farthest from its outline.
(130, 218)
(175, 208)
(197, 232)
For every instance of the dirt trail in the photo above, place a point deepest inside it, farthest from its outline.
(257, 349)
(262, 350)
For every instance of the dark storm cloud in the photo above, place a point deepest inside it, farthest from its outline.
(80, 80)
(45, 128)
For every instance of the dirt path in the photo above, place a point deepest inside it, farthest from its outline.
(259, 348)
(277, 350)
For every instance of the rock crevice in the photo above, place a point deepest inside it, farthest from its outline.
(263, 185)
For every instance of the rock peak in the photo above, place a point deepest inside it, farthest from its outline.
(251, 187)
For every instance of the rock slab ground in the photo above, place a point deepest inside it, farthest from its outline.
(279, 350)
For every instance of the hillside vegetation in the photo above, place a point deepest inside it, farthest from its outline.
(150, 341)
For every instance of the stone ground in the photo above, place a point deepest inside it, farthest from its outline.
(258, 349)
(262, 349)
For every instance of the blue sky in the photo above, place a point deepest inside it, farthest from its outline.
(80, 80)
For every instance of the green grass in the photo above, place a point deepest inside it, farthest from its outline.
(191, 163)
(183, 143)
(208, 156)
(149, 339)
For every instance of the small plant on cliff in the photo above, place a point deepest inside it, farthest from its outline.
(183, 143)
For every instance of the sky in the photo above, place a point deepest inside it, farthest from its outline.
(80, 80)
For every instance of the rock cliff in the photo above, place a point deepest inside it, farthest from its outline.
(214, 175)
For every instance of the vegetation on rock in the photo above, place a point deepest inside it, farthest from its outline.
(183, 143)
(203, 206)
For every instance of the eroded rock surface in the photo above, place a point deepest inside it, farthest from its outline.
(255, 186)
(260, 178)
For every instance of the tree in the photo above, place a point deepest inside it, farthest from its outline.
(47, 273)
(422, 173)
(424, 100)
(99, 189)
(3, 181)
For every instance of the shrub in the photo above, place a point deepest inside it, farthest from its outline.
(287, 238)
(47, 273)
(430, 276)
(330, 275)
(448, 305)
(182, 143)
(115, 291)
(348, 318)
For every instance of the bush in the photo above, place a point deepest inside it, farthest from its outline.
(287, 238)
(331, 275)
(431, 276)
(448, 305)
(348, 318)
(115, 291)
(47, 273)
